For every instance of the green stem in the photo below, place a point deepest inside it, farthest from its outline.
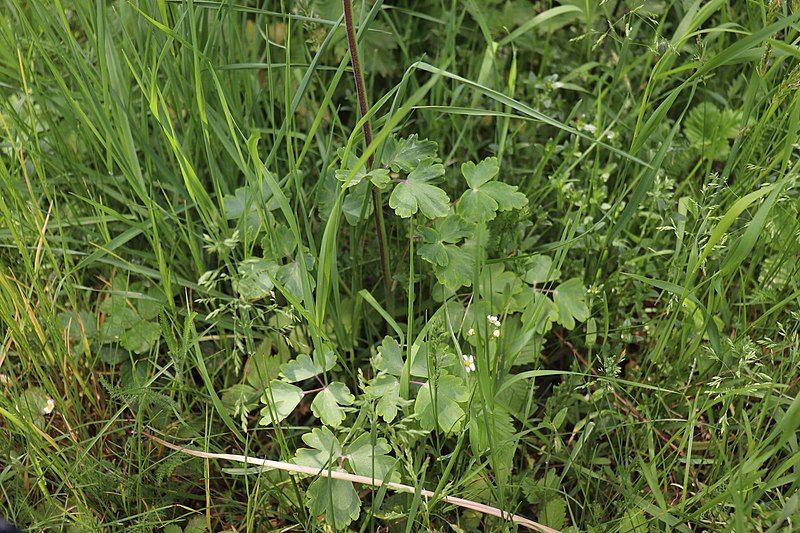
(377, 208)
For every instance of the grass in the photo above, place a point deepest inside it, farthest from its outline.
(179, 258)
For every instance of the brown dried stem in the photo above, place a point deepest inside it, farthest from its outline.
(377, 208)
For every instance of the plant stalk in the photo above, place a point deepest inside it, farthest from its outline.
(380, 226)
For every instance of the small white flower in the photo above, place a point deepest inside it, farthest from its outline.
(493, 320)
(47, 409)
(471, 332)
(469, 363)
(590, 128)
(496, 333)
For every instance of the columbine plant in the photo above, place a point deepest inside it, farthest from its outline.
(420, 384)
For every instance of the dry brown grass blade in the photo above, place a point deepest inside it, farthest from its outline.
(364, 480)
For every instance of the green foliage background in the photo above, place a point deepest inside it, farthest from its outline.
(594, 203)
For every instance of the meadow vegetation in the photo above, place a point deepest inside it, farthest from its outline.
(548, 261)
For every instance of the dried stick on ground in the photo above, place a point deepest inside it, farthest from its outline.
(364, 480)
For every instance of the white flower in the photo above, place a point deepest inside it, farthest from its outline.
(590, 128)
(47, 409)
(471, 332)
(496, 333)
(493, 320)
(469, 363)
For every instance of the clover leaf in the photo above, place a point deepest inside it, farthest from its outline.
(452, 264)
(132, 327)
(419, 360)
(324, 449)
(246, 200)
(415, 193)
(241, 396)
(439, 403)
(304, 367)
(447, 230)
(404, 155)
(434, 253)
(390, 357)
(386, 389)
(141, 336)
(357, 204)
(570, 300)
(539, 311)
(370, 459)
(541, 270)
(327, 405)
(291, 277)
(77, 325)
(256, 278)
(118, 321)
(453, 228)
(379, 176)
(499, 285)
(281, 399)
(484, 197)
(337, 500)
